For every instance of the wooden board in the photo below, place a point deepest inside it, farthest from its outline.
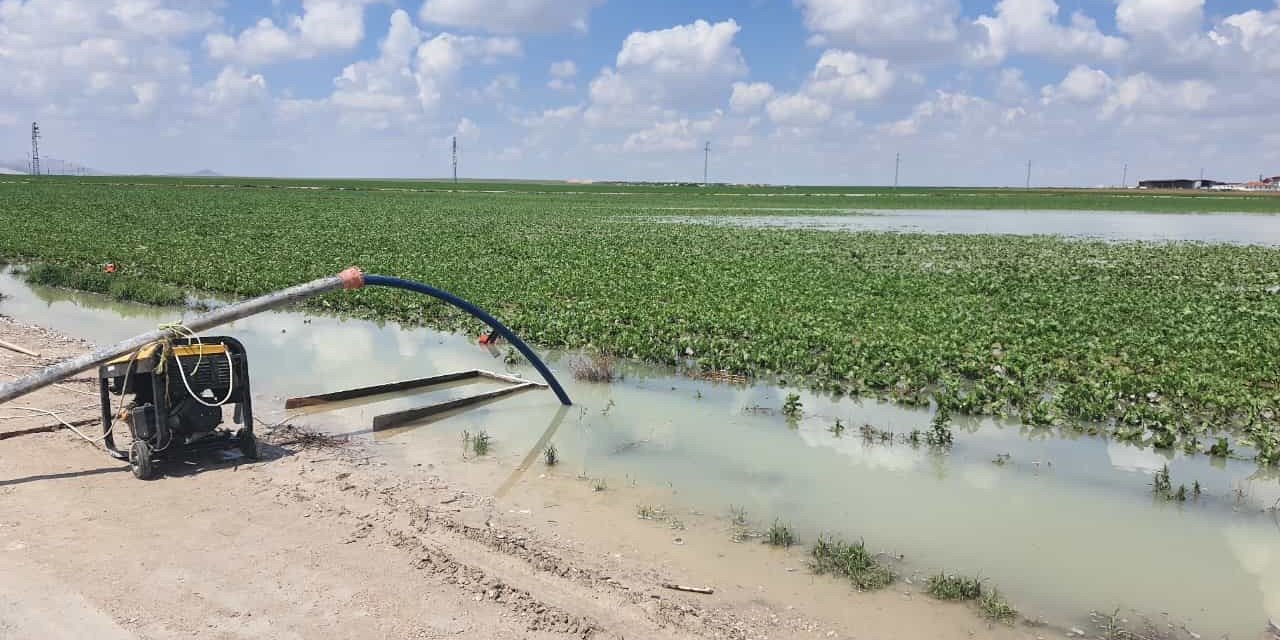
(400, 418)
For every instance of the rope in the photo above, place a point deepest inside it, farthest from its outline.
(55, 416)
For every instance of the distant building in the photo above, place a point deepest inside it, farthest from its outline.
(1178, 183)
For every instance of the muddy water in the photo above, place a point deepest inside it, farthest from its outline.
(1064, 527)
(1220, 228)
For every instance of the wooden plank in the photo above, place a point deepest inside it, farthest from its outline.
(377, 390)
(19, 348)
(502, 377)
(399, 418)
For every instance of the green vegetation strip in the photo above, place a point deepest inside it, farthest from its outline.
(1158, 344)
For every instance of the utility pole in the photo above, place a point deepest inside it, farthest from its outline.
(1124, 180)
(35, 149)
(1028, 174)
(897, 165)
(455, 159)
(706, 163)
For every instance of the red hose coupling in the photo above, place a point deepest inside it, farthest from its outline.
(352, 278)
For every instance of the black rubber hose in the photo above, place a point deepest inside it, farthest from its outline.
(479, 314)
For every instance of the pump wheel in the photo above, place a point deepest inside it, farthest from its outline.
(247, 443)
(140, 460)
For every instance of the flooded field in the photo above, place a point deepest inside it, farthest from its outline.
(1061, 526)
(1221, 228)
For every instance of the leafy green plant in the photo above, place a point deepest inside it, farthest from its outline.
(551, 456)
(738, 516)
(594, 367)
(939, 435)
(480, 443)
(1162, 483)
(851, 561)
(1221, 448)
(793, 408)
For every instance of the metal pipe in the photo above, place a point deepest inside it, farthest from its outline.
(350, 279)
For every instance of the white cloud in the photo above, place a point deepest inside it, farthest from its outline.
(386, 83)
(684, 67)
(562, 74)
(1081, 84)
(798, 110)
(849, 77)
(897, 29)
(510, 16)
(676, 135)
(1030, 27)
(1159, 18)
(439, 60)
(325, 26)
(749, 96)
(1144, 93)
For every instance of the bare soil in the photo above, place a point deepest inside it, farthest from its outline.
(320, 539)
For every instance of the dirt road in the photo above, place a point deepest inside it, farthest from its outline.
(319, 540)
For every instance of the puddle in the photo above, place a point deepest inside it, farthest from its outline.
(1066, 526)
(1217, 228)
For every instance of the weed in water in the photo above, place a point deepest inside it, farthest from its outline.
(598, 367)
(551, 456)
(852, 561)
(649, 512)
(1191, 446)
(952, 587)
(599, 484)
(780, 535)
(793, 408)
(915, 437)
(939, 435)
(1181, 494)
(1196, 490)
(1221, 448)
(738, 515)
(1161, 484)
(1002, 459)
(837, 429)
(480, 443)
(994, 607)
(513, 356)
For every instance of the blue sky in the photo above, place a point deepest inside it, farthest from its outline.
(797, 91)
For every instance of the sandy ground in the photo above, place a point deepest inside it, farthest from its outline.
(326, 541)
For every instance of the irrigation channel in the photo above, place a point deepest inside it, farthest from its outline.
(1061, 525)
(1221, 228)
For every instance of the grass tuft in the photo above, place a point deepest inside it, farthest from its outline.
(946, 586)
(994, 607)
(852, 561)
(551, 456)
(780, 535)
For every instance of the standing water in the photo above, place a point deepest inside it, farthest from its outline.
(1218, 228)
(1061, 526)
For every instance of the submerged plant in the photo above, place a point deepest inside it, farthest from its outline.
(1161, 483)
(944, 586)
(650, 512)
(780, 535)
(597, 367)
(551, 456)
(738, 516)
(1181, 494)
(1221, 448)
(1002, 459)
(915, 437)
(599, 484)
(480, 443)
(792, 408)
(851, 561)
(837, 429)
(939, 435)
(1196, 490)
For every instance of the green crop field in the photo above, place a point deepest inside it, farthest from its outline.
(1164, 344)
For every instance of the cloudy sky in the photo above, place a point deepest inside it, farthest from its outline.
(794, 91)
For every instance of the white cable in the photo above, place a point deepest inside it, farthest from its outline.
(231, 382)
(66, 424)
